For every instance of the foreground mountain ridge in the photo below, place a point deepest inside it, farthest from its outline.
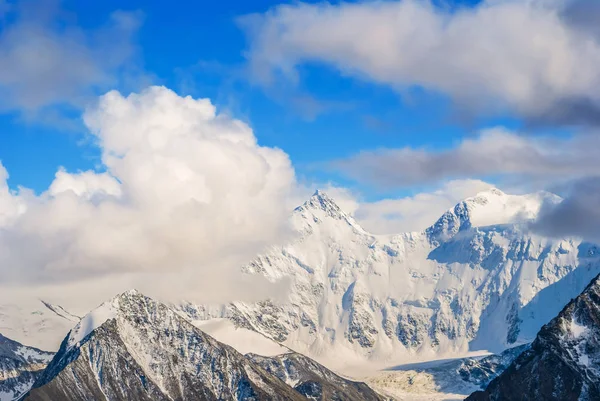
(20, 365)
(135, 348)
(563, 362)
(459, 285)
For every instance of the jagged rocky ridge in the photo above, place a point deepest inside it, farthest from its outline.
(20, 365)
(135, 348)
(313, 380)
(481, 371)
(475, 279)
(563, 362)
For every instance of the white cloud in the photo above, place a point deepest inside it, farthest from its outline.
(494, 152)
(577, 215)
(529, 56)
(187, 197)
(87, 184)
(11, 204)
(415, 213)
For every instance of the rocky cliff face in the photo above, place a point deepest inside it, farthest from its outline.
(19, 367)
(476, 279)
(134, 348)
(563, 362)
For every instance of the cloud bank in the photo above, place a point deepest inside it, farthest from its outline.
(186, 193)
(577, 215)
(537, 58)
(497, 153)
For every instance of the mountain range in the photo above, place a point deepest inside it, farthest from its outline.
(477, 279)
(135, 348)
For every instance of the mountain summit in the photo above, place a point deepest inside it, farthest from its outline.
(488, 208)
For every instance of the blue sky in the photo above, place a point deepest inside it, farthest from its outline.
(326, 103)
(197, 48)
(120, 166)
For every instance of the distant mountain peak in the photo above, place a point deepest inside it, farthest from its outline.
(320, 206)
(488, 208)
(320, 200)
(132, 293)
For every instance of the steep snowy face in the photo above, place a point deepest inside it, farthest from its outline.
(314, 380)
(457, 285)
(133, 347)
(564, 360)
(19, 367)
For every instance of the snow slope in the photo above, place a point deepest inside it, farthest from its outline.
(35, 322)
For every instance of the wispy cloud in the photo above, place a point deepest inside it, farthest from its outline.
(47, 62)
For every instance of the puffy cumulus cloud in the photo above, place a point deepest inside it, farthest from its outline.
(415, 213)
(48, 62)
(536, 57)
(11, 204)
(187, 197)
(493, 153)
(87, 184)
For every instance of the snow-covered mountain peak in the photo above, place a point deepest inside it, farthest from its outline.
(320, 207)
(321, 201)
(488, 208)
(94, 319)
(118, 305)
(494, 207)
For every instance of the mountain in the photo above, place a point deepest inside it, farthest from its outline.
(563, 362)
(20, 365)
(35, 322)
(313, 380)
(135, 348)
(462, 284)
